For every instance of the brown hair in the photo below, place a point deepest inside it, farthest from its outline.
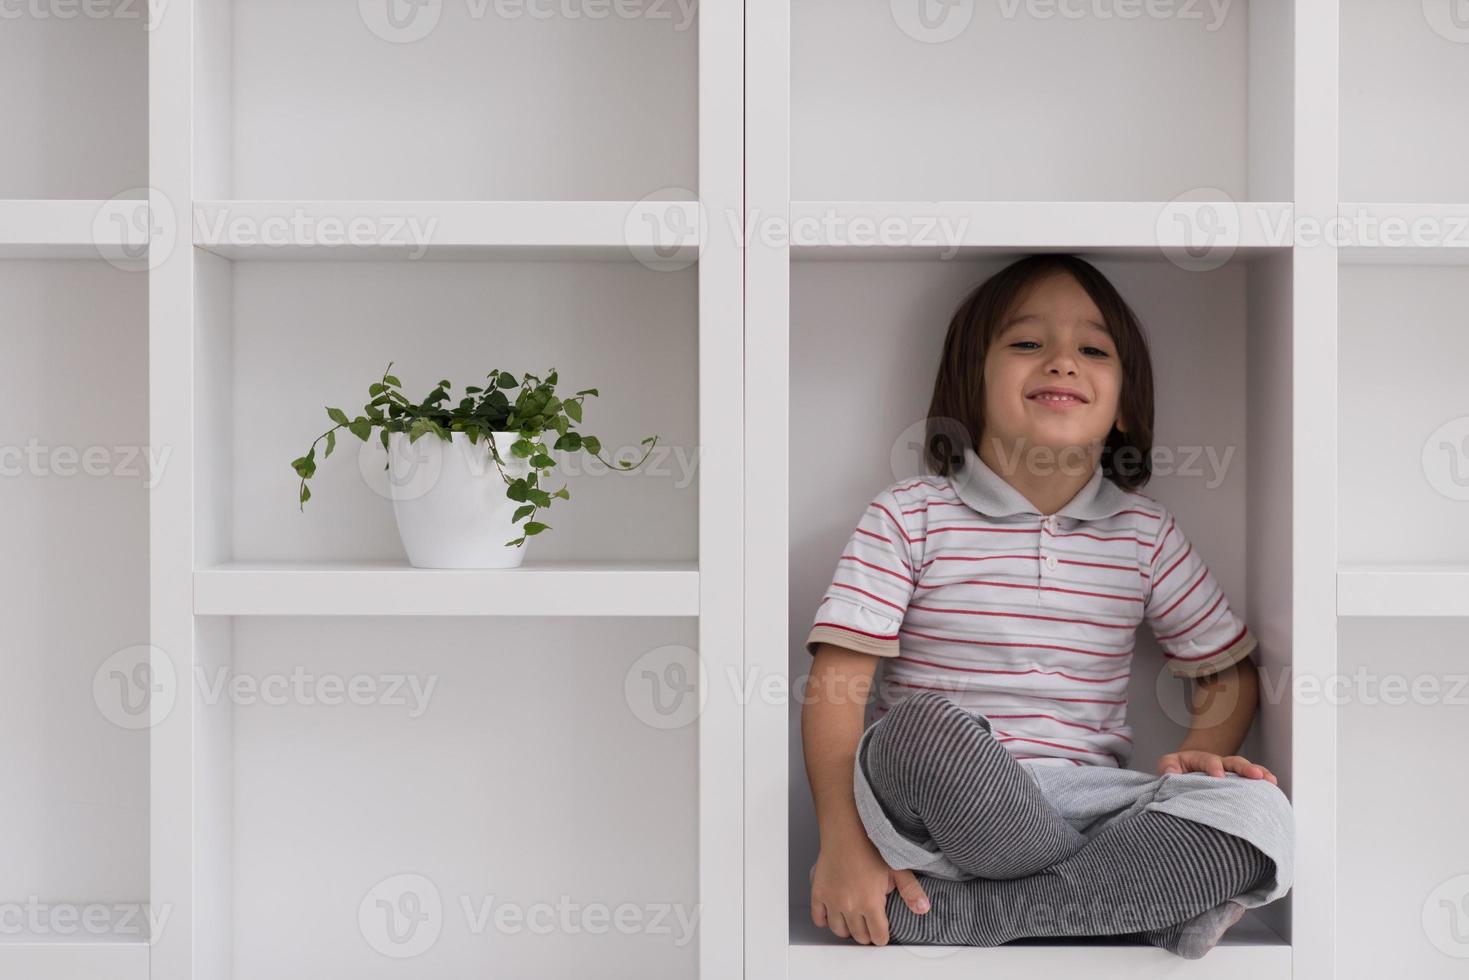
(957, 409)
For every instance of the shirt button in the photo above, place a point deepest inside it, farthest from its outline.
(1050, 561)
(1051, 523)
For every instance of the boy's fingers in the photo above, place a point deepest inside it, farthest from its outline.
(858, 927)
(877, 927)
(838, 924)
(913, 894)
(818, 913)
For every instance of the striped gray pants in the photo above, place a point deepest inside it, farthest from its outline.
(1007, 850)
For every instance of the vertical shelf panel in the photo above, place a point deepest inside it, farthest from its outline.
(75, 464)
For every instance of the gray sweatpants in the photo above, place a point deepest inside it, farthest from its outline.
(1090, 798)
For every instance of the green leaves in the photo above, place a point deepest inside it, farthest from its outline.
(526, 405)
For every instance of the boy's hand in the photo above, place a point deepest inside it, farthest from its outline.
(1197, 760)
(849, 889)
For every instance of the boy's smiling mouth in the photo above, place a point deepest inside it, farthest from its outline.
(1057, 397)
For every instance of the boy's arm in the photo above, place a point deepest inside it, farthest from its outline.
(851, 880)
(1222, 706)
(831, 724)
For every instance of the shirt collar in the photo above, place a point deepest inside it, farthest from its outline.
(986, 491)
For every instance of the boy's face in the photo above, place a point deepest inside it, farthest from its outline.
(1053, 338)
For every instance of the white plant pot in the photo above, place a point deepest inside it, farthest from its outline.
(449, 500)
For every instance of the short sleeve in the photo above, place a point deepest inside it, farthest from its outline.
(1188, 611)
(869, 593)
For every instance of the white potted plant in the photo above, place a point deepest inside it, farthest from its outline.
(459, 494)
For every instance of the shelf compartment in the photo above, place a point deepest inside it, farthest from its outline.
(74, 99)
(73, 229)
(419, 108)
(656, 231)
(1399, 707)
(1403, 590)
(74, 489)
(893, 229)
(1402, 73)
(1249, 948)
(985, 103)
(864, 339)
(395, 589)
(277, 341)
(1402, 416)
(489, 738)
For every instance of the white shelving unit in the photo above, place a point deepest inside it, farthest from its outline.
(453, 188)
(1403, 482)
(74, 472)
(218, 216)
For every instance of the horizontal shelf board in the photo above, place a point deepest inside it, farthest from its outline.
(895, 229)
(1250, 949)
(1420, 589)
(73, 229)
(396, 589)
(79, 957)
(1403, 234)
(657, 231)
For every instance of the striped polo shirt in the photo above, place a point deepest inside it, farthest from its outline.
(965, 588)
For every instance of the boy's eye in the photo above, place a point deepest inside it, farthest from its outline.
(1092, 351)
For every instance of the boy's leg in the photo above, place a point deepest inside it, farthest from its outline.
(940, 774)
(1147, 872)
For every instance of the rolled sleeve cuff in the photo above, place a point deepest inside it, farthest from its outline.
(1180, 666)
(855, 627)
